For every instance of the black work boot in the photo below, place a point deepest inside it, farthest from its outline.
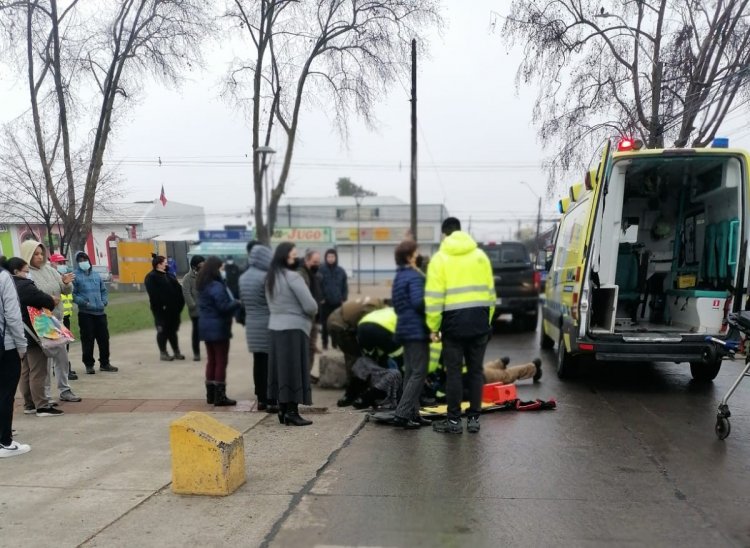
(164, 356)
(178, 355)
(210, 392)
(538, 364)
(220, 399)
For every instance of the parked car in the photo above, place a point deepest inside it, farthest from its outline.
(103, 272)
(517, 282)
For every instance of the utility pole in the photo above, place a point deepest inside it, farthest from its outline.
(414, 139)
(538, 225)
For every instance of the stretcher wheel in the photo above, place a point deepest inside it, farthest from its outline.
(722, 427)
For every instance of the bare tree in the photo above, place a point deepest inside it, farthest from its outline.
(83, 64)
(665, 71)
(340, 54)
(24, 194)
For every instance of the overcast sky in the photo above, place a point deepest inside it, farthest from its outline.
(476, 141)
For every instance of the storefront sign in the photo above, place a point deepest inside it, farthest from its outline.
(225, 235)
(383, 234)
(302, 235)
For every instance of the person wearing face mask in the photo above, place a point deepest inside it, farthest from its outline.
(309, 269)
(216, 307)
(91, 296)
(190, 294)
(49, 280)
(34, 365)
(292, 310)
(166, 300)
(60, 264)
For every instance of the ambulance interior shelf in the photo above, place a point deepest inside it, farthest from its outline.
(677, 249)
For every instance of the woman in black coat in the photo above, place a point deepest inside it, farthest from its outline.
(166, 300)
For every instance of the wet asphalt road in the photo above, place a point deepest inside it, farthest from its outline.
(629, 458)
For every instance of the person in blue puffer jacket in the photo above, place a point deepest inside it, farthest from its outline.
(411, 331)
(91, 296)
(216, 306)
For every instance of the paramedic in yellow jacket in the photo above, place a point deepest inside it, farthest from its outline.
(376, 335)
(460, 302)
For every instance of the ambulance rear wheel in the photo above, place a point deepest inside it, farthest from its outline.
(567, 365)
(705, 371)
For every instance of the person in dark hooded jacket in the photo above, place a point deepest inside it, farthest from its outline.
(335, 290)
(166, 300)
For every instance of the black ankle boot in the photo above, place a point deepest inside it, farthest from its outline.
(210, 392)
(221, 399)
(282, 412)
(292, 416)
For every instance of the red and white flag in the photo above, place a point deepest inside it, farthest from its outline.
(163, 197)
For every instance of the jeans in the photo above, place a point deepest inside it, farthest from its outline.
(10, 373)
(57, 360)
(416, 359)
(456, 353)
(216, 365)
(94, 328)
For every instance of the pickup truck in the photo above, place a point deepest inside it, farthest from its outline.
(517, 282)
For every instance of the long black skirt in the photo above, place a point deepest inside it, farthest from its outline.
(288, 373)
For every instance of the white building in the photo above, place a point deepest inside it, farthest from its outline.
(384, 221)
(138, 220)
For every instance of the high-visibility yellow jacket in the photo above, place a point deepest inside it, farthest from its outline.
(384, 317)
(460, 289)
(67, 301)
(387, 319)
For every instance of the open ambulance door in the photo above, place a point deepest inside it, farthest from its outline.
(599, 186)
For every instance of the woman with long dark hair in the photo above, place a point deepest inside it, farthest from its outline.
(292, 309)
(167, 302)
(216, 306)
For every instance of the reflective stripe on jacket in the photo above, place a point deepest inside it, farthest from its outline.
(67, 302)
(460, 289)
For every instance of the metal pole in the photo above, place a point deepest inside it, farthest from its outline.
(359, 254)
(538, 225)
(414, 140)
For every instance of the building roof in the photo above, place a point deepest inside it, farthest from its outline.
(340, 201)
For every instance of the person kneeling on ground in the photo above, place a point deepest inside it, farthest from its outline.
(381, 386)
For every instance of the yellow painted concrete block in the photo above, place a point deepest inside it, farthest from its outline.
(208, 457)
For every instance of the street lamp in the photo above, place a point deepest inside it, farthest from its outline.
(358, 197)
(538, 219)
(265, 151)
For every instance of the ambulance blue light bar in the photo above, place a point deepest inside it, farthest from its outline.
(720, 142)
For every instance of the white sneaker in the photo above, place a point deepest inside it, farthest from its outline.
(14, 449)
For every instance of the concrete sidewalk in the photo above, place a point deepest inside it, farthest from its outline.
(100, 475)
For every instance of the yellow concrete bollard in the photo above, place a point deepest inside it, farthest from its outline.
(208, 457)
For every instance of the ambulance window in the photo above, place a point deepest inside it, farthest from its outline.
(572, 230)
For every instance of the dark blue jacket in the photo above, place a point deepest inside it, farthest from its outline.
(215, 310)
(333, 282)
(408, 302)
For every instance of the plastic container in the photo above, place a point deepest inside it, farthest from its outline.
(498, 392)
